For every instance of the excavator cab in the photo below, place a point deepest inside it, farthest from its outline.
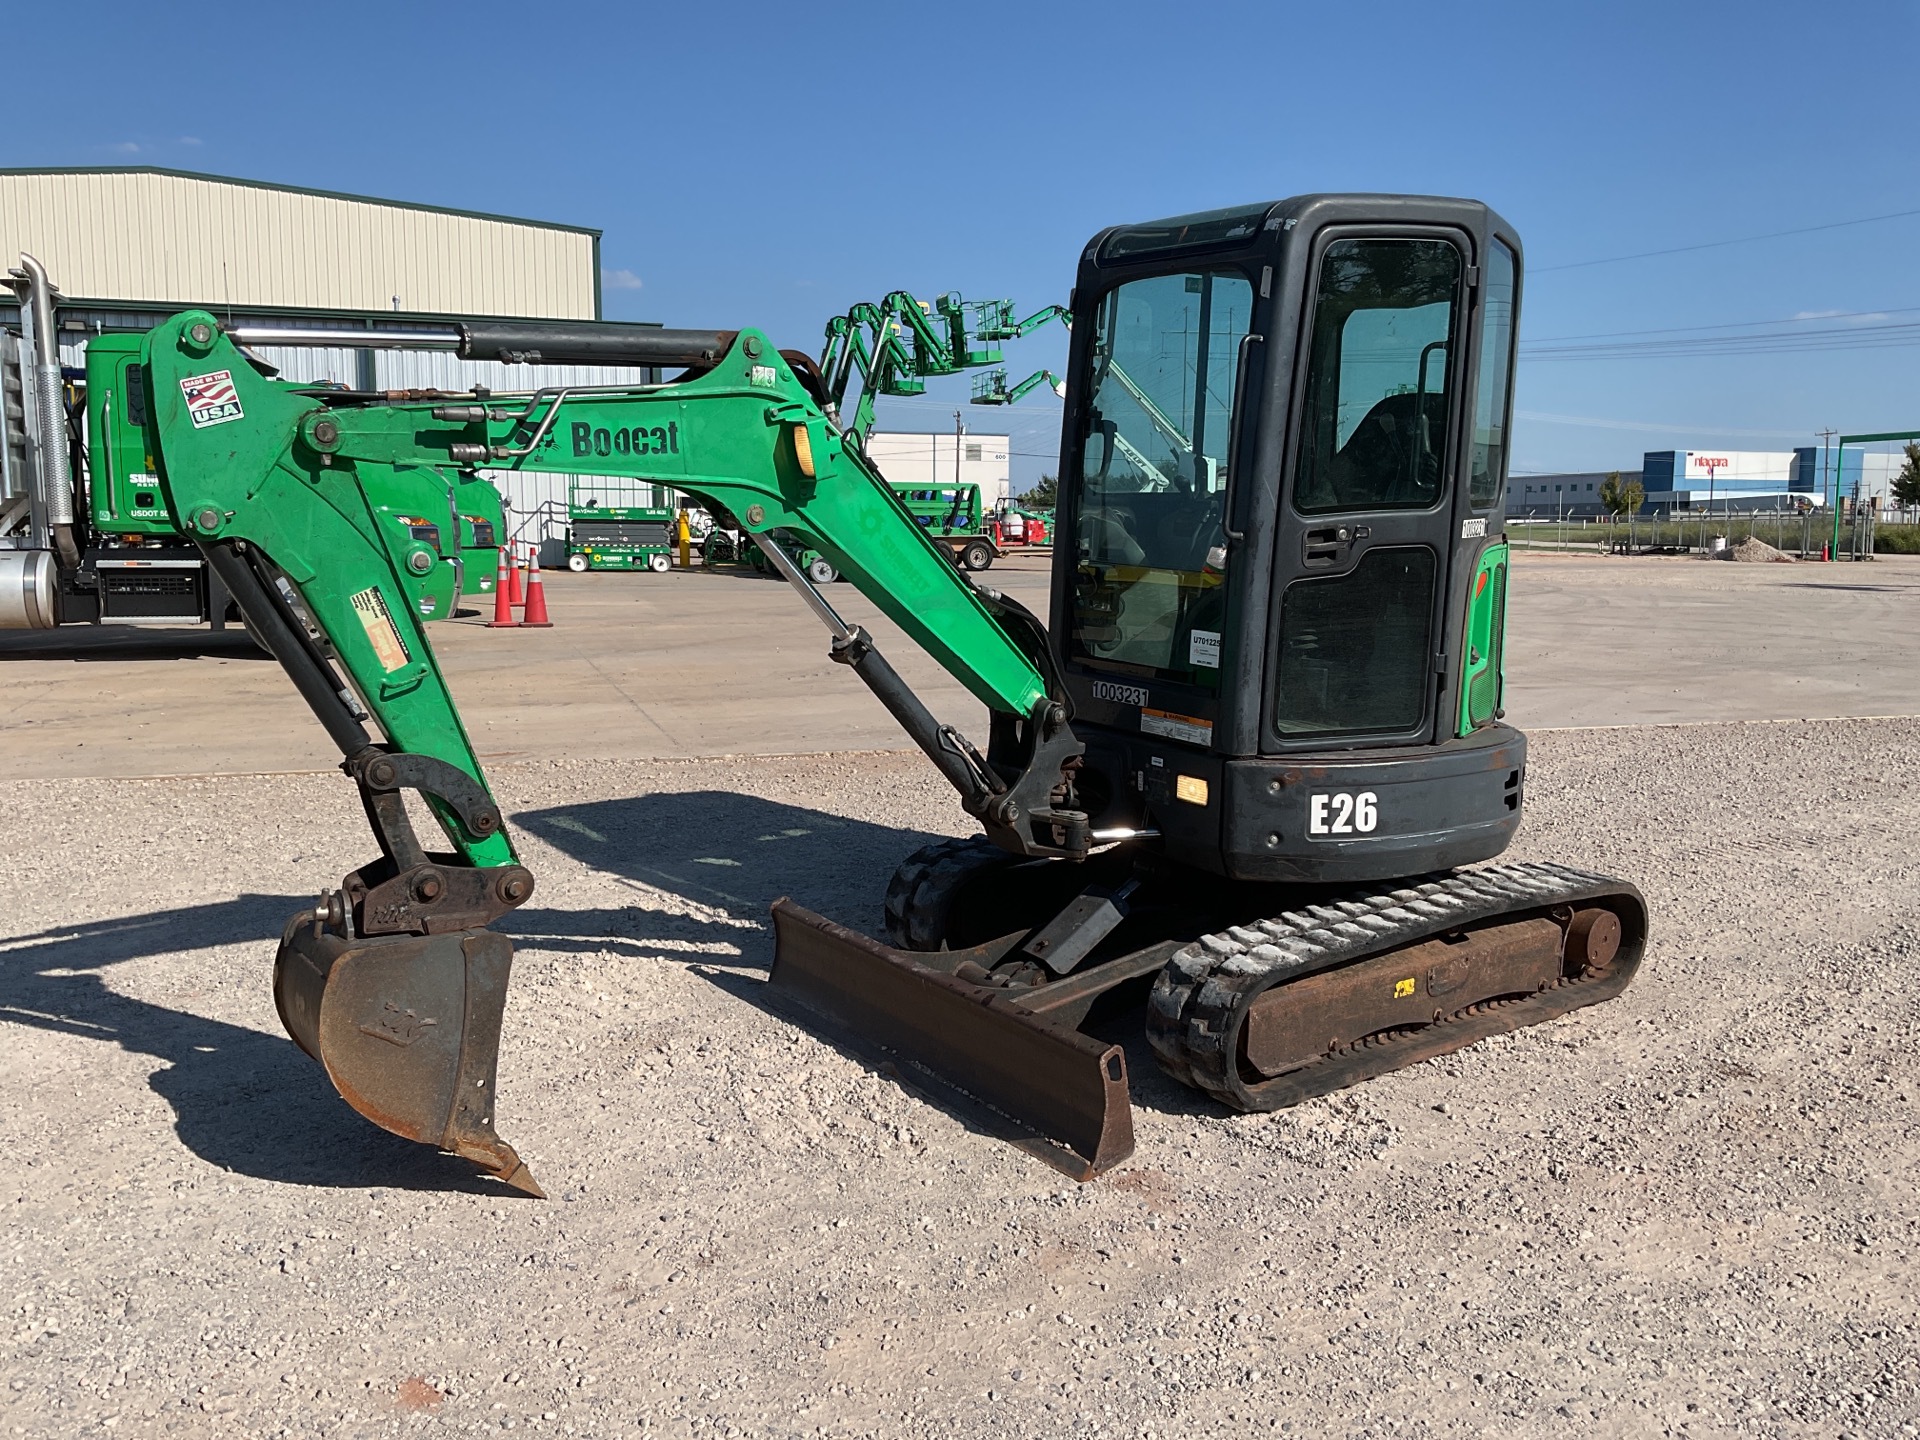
(1277, 618)
(1280, 506)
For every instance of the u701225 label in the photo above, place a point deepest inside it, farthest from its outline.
(1341, 812)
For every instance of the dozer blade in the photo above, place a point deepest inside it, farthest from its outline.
(1068, 1089)
(408, 1028)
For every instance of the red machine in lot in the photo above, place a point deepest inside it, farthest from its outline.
(1013, 529)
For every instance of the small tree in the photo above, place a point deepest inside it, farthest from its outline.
(1621, 498)
(1906, 485)
(1044, 495)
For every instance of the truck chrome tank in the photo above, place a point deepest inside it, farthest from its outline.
(28, 582)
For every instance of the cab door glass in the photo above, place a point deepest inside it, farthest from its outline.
(1374, 431)
(1149, 596)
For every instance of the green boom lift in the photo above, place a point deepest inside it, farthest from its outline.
(1232, 782)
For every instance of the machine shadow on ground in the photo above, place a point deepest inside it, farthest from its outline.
(736, 854)
(243, 1100)
(723, 851)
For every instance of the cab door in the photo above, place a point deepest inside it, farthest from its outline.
(1364, 541)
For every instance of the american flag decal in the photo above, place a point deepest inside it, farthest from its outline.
(211, 399)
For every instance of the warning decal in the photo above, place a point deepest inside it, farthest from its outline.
(377, 621)
(1190, 728)
(211, 399)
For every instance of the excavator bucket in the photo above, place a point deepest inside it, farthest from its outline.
(1067, 1090)
(408, 1028)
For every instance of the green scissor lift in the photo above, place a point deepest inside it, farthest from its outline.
(616, 525)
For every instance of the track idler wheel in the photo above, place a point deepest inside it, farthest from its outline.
(408, 1028)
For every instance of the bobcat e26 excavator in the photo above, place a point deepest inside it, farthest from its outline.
(1234, 778)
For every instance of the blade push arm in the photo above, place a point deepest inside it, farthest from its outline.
(283, 522)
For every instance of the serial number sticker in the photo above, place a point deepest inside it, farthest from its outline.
(1340, 812)
(1472, 529)
(211, 399)
(1203, 648)
(1189, 728)
(371, 608)
(1119, 694)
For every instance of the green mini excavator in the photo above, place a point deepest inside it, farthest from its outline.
(1240, 780)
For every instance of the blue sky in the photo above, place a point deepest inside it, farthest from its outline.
(769, 165)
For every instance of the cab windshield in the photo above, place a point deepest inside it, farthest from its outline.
(1154, 460)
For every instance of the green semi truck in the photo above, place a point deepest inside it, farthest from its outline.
(99, 542)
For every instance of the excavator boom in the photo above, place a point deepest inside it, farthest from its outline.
(393, 981)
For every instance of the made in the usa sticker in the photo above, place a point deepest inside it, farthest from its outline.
(211, 399)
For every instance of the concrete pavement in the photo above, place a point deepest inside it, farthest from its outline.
(643, 666)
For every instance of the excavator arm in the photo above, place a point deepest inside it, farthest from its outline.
(392, 982)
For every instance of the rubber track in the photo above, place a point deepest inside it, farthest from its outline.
(921, 892)
(1201, 998)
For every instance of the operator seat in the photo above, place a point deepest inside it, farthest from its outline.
(1391, 459)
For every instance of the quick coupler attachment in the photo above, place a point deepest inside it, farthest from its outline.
(1066, 1090)
(408, 1028)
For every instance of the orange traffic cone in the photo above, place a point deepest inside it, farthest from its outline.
(536, 611)
(502, 602)
(516, 592)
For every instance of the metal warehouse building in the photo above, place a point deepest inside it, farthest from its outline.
(129, 246)
(185, 239)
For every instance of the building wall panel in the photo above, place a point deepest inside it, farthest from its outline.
(928, 459)
(145, 236)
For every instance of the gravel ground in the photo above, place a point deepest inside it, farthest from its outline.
(1691, 1211)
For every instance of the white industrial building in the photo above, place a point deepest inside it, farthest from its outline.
(945, 459)
(1570, 496)
(1736, 479)
(1694, 479)
(185, 239)
(129, 246)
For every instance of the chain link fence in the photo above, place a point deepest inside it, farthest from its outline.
(1864, 533)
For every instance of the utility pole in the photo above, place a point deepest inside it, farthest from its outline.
(959, 436)
(1826, 443)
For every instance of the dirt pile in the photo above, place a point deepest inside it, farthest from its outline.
(1755, 551)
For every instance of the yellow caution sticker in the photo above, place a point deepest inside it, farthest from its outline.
(371, 608)
(1403, 988)
(1190, 728)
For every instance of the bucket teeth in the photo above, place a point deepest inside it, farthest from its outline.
(408, 1028)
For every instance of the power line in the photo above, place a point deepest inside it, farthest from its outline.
(1780, 342)
(1729, 325)
(1597, 422)
(1718, 244)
